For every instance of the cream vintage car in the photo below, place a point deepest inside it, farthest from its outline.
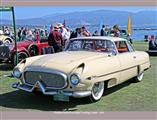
(86, 67)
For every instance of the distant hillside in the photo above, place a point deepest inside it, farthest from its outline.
(92, 18)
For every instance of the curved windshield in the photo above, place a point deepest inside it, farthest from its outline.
(91, 45)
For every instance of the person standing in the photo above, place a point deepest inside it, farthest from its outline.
(95, 33)
(67, 36)
(63, 30)
(29, 35)
(55, 40)
(7, 31)
(19, 34)
(116, 31)
(102, 31)
(85, 32)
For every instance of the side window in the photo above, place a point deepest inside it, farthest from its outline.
(131, 49)
(75, 45)
(122, 46)
(105, 46)
(88, 45)
(100, 44)
(111, 47)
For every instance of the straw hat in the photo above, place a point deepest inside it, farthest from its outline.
(60, 25)
(56, 27)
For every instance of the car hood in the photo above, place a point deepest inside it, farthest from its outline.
(63, 61)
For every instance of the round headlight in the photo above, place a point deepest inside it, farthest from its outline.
(74, 79)
(16, 73)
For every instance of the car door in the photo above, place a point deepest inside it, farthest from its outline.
(127, 59)
(107, 66)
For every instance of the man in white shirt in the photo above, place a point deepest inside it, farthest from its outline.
(65, 32)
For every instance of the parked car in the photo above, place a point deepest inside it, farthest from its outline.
(25, 49)
(123, 34)
(152, 45)
(86, 67)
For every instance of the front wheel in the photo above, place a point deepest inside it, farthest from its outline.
(97, 91)
(33, 50)
(139, 77)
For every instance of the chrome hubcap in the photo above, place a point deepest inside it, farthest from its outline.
(98, 90)
(140, 76)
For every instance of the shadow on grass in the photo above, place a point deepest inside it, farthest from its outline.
(6, 67)
(118, 87)
(23, 100)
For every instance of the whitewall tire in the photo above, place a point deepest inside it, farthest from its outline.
(97, 91)
(139, 77)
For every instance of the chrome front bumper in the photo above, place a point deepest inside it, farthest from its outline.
(77, 94)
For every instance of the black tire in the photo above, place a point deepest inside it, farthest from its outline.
(139, 77)
(8, 40)
(97, 91)
(33, 50)
(21, 56)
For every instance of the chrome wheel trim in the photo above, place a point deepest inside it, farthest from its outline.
(98, 90)
(140, 76)
(7, 41)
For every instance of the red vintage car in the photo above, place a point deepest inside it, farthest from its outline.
(25, 49)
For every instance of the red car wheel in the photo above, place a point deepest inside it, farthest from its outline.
(21, 56)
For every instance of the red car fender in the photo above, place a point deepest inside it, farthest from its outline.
(41, 46)
(21, 49)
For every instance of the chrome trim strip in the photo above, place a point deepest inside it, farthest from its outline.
(49, 72)
(115, 72)
(77, 94)
(89, 78)
(82, 94)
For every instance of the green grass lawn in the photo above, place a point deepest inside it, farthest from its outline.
(124, 97)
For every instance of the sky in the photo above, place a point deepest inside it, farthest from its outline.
(24, 12)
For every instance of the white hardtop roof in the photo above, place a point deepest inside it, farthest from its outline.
(101, 38)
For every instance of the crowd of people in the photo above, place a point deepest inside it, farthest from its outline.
(59, 35)
(6, 30)
(25, 33)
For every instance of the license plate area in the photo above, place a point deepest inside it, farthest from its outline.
(61, 97)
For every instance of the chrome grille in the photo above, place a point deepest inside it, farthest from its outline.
(50, 80)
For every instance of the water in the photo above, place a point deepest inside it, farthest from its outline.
(139, 34)
(136, 34)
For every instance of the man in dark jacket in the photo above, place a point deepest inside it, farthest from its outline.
(75, 33)
(102, 32)
(55, 39)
